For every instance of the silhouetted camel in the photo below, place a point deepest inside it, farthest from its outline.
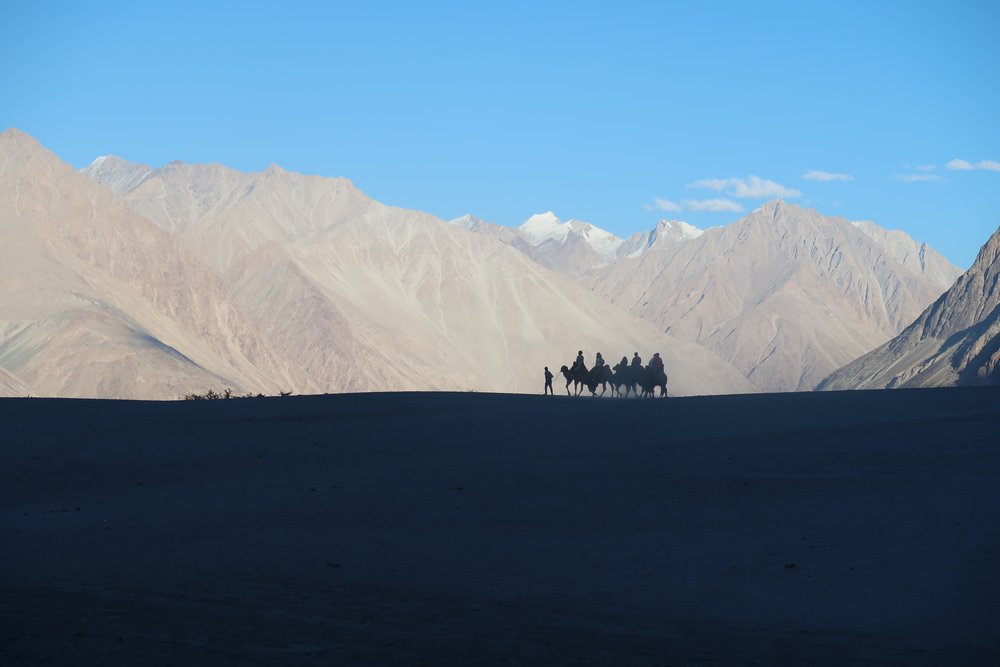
(599, 375)
(626, 377)
(578, 376)
(650, 380)
(581, 377)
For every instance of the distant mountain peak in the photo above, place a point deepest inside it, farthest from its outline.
(467, 221)
(542, 227)
(14, 134)
(679, 229)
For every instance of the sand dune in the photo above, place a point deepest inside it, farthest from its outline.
(453, 529)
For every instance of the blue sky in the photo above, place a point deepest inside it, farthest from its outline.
(614, 113)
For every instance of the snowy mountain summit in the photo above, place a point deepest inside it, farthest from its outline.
(543, 227)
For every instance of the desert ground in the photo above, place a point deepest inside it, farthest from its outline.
(841, 528)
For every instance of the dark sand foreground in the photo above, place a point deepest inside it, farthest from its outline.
(476, 529)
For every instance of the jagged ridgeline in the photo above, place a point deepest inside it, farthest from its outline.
(131, 281)
(126, 281)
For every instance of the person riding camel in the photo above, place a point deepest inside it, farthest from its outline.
(656, 363)
(599, 361)
(623, 364)
(636, 360)
(579, 360)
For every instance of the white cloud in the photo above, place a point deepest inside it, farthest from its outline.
(752, 187)
(666, 205)
(816, 175)
(916, 178)
(965, 165)
(926, 167)
(714, 205)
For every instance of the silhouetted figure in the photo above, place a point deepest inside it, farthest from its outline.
(579, 360)
(656, 363)
(636, 360)
(599, 361)
(624, 378)
(654, 376)
(548, 382)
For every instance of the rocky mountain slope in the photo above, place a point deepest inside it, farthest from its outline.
(785, 294)
(955, 341)
(362, 296)
(97, 301)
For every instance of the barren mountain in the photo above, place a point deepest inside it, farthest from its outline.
(955, 341)
(11, 386)
(785, 294)
(364, 296)
(96, 301)
(919, 258)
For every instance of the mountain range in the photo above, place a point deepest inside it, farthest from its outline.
(787, 295)
(123, 280)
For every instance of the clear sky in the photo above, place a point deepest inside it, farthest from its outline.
(614, 113)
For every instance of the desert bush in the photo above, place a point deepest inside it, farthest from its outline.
(225, 394)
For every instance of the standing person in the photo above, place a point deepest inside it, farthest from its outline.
(636, 360)
(548, 382)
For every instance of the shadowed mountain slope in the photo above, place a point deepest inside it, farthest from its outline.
(955, 341)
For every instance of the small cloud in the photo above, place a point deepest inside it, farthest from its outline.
(965, 165)
(666, 205)
(926, 167)
(713, 205)
(752, 187)
(916, 178)
(816, 175)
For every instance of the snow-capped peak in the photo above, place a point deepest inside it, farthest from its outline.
(97, 161)
(467, 221)
(603, 241)
(675, 230)
(541, 227)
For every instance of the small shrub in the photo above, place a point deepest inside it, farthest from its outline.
(226, 394)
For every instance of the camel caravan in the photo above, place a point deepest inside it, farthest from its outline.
(624, 377)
